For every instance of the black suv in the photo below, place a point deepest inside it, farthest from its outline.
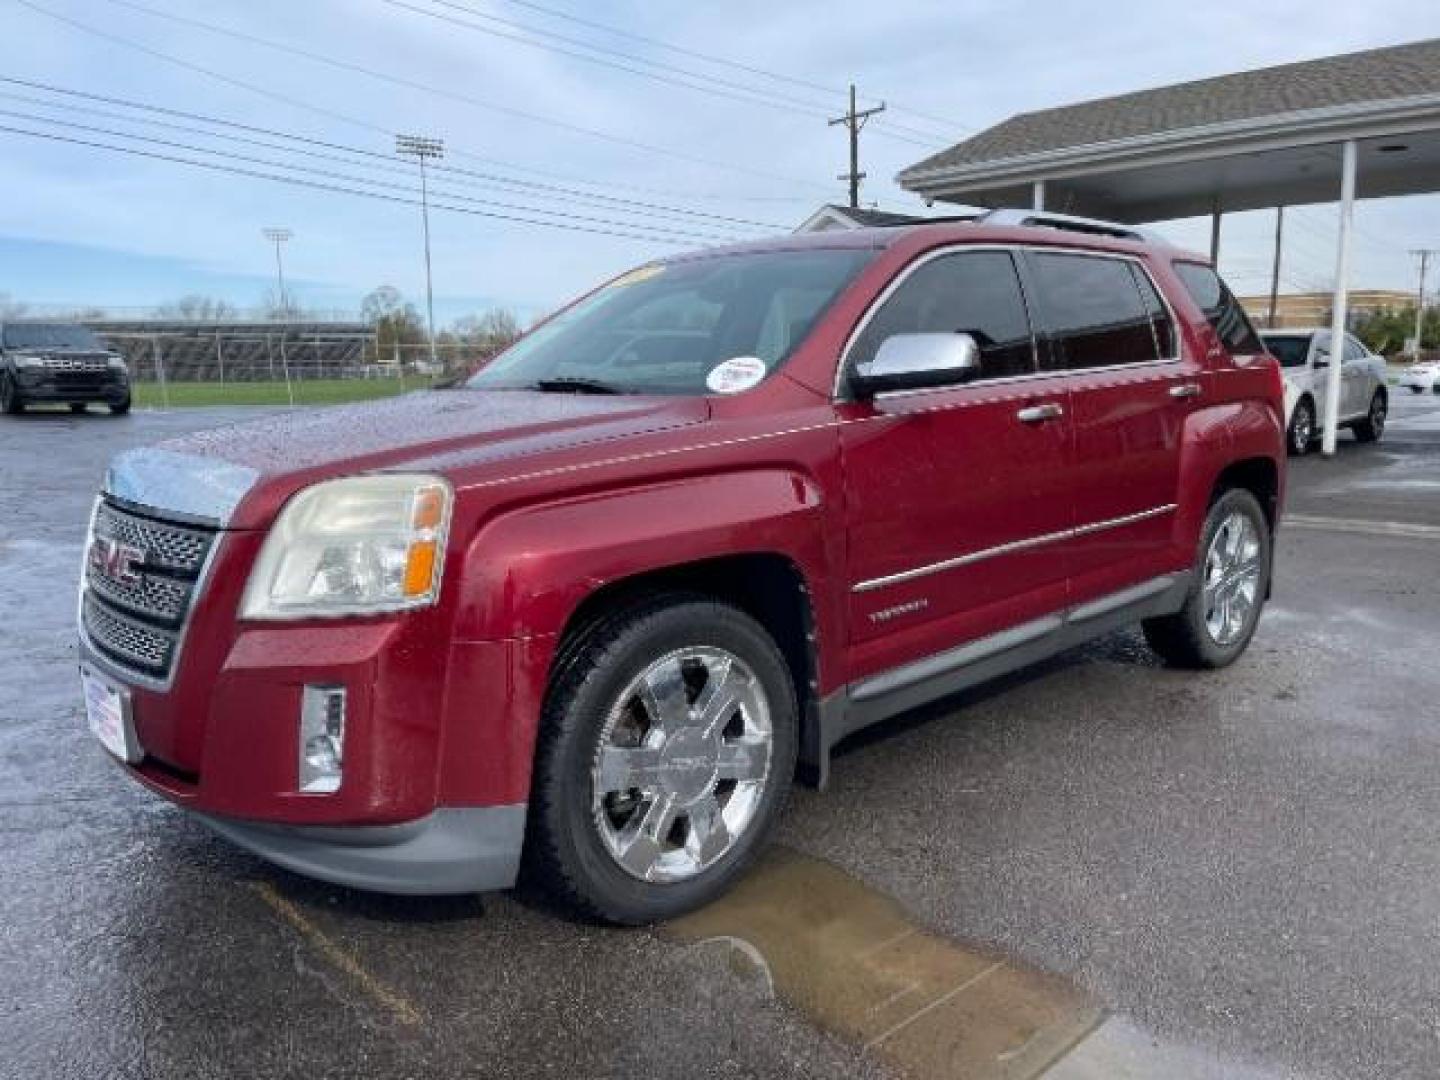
(59, 362)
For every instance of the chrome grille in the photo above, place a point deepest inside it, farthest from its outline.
(173, 547)
(136, 600)
(77, 363)
(133, 643)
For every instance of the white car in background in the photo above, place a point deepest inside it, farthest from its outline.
(1422, 377)
(1305, 359)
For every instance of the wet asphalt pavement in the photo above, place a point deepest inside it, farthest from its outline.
(1241, 870)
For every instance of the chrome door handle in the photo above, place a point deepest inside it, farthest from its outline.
(1185, 390)
(1038, 414)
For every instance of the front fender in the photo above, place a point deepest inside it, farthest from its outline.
(528, 569)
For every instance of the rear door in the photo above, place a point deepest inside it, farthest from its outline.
(1357, 380)
(1113, 338)
(957, 497)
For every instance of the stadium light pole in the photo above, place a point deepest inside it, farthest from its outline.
(420, 147)
(279, 236)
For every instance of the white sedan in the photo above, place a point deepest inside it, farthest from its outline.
(1422, 377)
(1305, 359)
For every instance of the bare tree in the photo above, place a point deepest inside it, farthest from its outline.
(496, 327)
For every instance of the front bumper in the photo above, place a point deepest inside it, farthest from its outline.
(42, 386)
(453, 850)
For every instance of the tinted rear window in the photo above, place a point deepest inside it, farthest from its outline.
(1094, 312)
(1290, 349)
(1221, 309)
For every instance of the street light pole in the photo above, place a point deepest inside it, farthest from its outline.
(420, 147)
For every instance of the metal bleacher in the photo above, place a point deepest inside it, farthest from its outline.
(189, 351)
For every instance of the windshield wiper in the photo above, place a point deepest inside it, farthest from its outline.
(573, 384)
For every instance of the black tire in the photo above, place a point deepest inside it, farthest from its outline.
(121, 407)
(1183, 639)
(77, 406)
(1301, 433)
(565, 855)
(11, 403)
(1372, 427)
(1421, 389)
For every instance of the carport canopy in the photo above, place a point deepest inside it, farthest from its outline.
(1363, 124)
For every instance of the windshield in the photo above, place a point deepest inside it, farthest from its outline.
(1290, 349)
(665, 328)
(49, 336)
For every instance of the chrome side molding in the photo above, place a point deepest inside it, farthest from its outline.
(1013, 546)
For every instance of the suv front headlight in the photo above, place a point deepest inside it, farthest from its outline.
(29, 361)
(116, 363)
(357, 546)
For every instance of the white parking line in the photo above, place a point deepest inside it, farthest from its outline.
(1406, 529)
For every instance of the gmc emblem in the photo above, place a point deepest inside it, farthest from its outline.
(117, 561)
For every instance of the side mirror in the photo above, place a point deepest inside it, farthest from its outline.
(1322, 359)
(917, 361)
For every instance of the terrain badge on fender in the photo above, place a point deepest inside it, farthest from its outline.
(886, 614)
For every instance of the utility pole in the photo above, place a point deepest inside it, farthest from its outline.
(854, 120)
(1275, 268)
(1424, 254)
(419, 147)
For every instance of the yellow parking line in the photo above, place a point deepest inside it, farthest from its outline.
(404, 1011)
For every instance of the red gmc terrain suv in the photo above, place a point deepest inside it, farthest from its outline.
(588, 614)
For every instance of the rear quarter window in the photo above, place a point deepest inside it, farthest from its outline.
(1222, 310)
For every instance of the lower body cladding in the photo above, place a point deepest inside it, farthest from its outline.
(892, 692)
(456, 850)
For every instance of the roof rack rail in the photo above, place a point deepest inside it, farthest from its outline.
(1044, 220)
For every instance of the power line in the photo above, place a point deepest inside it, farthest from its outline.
(361, 69)
(375, 159)
(750, 96)
(566, 221)
(662, 229)
(711, 58)
(367, 125)
(731, 90)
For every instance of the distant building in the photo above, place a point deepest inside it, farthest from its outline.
(1313, 308)
(830, 217)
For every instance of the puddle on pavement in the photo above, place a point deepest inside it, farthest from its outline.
(853, 961)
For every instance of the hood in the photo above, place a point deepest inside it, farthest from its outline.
(207, 473)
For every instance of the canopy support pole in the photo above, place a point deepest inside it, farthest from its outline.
(1338, 311)
(1037, 195)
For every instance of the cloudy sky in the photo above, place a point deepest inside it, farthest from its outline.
(646, 162)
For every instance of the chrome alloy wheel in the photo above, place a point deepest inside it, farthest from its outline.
(1302, 430)
(1232, 578)
(682, 764)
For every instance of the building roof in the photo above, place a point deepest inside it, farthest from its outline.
(1393, 73)
(832, 216)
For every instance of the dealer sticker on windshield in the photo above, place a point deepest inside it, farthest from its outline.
(736, 374)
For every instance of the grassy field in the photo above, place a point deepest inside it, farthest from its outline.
(307, 392)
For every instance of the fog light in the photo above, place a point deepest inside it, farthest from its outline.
(322, 738)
